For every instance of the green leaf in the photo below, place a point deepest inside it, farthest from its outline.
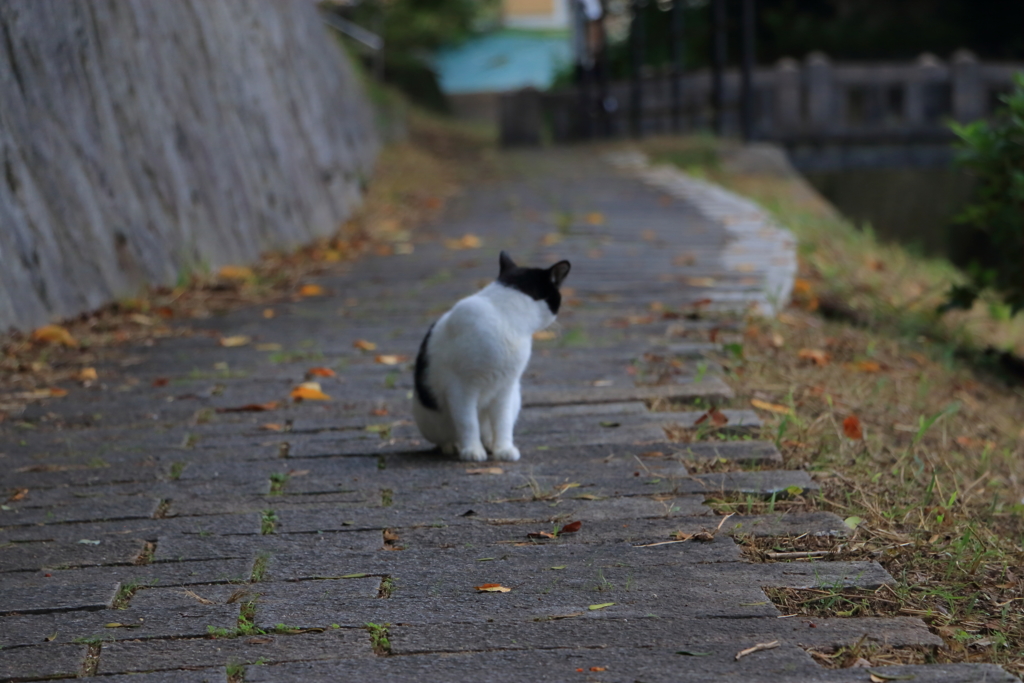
(601, 605)
(561, 566)
(853, 522)
(355, 576)
(794, 490)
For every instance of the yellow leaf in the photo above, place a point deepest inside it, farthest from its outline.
(57, 392)
(551, 239)
(364, 345)
(818, 356)
(595, 218)
(700, 281)
(236, 340)
(467, 241)
(391, 359)
(321, 372)
(54, 334)
(544, 335)
(268, 313)
(492, 588)
(237, 273)
(311, 290)
(866, 366)
(87, 375)
(309, 391)
(771, 407)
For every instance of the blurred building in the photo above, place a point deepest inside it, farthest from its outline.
(532, 47)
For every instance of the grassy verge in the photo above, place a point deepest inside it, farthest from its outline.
(916, 448)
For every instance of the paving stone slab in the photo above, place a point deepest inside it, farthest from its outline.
(787, 664)
(148, 529)
(128, 507)
(201, 507)
(154, 655)
(21, 557)
(787, 524)
(724, 636)
(189, 547)
(58, 597)
(763, 483)
(710, 388)
(217, 675)
(42, 662)
(190, 621)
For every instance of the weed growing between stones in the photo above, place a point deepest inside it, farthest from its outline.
(176, 469)
(91, 662)
(268, 522)
(259, 568)
(145, 555)
(386, 497)
(235, 672)
(124, 595)
(277, 482)
(387, 587)
(379, 638)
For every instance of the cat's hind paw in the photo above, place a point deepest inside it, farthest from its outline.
(473, 454)
(511, 454)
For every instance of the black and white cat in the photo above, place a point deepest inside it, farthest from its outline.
(467, 372)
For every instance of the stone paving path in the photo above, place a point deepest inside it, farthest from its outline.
(152, 520)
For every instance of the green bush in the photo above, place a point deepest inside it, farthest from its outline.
(993, 152)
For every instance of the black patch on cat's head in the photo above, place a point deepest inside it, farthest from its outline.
(540, 284)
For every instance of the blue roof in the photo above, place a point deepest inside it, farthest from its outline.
(507, 60)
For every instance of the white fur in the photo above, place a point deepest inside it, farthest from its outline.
(476, 355)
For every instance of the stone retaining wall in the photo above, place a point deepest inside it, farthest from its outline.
(141, 139)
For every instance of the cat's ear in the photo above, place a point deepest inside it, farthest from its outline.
(559, 271)
(506, 263)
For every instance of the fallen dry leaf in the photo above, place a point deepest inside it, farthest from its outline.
(717, 417)
(309, 391)
(57, 392)
(311, 290)
(271, 427)
(598, 668)
(852, 428)
(700, 281)
(87, 375)
(485, 470)
(595, 218)
(540, 534)
(492, 588)
(54, 334)
(160, 382)
(390, 359)
(236, 273)
(198, 598)
(235, 340)
(252, 407)
(817, 356)
(268, 313)
(757, 648)
(364, 345)
(865, 366)
(320, 372)
(771, 407)
(571, 527)
(467, 241)
(544, 335)
(390, 535)
(17, 495)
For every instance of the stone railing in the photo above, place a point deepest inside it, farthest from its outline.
(794, 102)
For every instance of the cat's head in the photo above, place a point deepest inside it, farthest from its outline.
(540, 284)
